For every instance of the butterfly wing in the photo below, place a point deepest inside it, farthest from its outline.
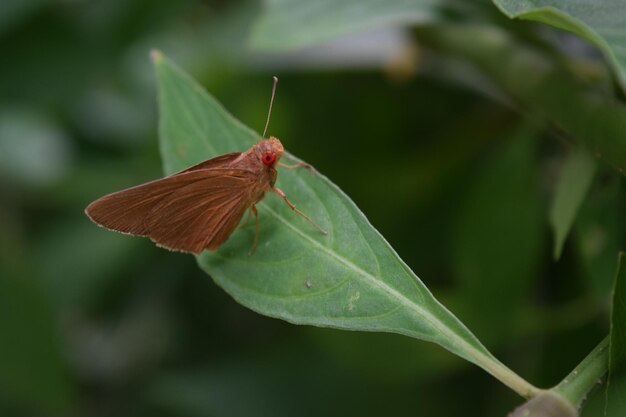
(126, 210)
(221, 161)
(217, 198)
(188, 211)
(202, 214)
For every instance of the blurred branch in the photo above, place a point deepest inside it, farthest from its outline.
(565, 399)
(586, 375)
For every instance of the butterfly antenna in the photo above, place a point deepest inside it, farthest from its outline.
(269, 113)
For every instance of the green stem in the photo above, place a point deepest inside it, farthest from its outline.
(588, 373)
(507, 377)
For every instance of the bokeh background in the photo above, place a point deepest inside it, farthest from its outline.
(453, 171)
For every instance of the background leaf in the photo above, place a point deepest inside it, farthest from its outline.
(599, 22)
(349, 279)
(500, 234)
(290, 24)
(572, 187)
(599, 233)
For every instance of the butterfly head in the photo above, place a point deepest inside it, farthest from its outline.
(271, 151)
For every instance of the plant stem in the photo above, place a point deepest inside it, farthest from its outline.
(508, 377)
(588, 373)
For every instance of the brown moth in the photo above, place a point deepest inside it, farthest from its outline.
(200, 207)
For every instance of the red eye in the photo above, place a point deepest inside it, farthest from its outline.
(268, 158)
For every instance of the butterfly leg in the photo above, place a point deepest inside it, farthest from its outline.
(293, 207)
(254, 211)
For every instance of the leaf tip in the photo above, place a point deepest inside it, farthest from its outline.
(558, 250)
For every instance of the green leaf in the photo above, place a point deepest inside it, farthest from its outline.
(600, 22)
(576, 177)
(349, 279)
(599, 232)
(617, 347)
(289, 24)
(499, 241)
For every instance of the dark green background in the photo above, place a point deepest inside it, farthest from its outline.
(98, 324)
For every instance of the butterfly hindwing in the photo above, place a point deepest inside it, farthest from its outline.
(202, 214)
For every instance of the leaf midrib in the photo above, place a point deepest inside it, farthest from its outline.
(486, 361)
(391, 292)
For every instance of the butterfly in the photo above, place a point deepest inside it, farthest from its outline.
(200, 207)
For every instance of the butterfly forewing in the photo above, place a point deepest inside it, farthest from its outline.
(220, 161)
(126, 210)
(188, 211)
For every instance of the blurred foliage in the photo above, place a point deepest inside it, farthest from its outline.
(601, 25)
(450, 136)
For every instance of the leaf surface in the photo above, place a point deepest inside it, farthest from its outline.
(573, 184)
(290, 24)
(498, 245)
(349, 279)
